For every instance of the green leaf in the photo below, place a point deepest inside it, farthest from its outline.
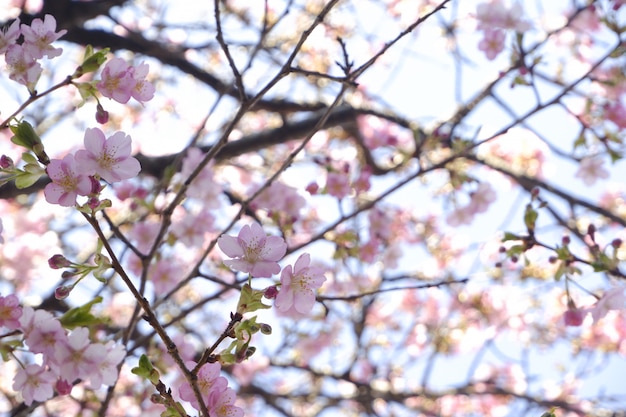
(146, 370)
(510, 236)
(25, 180)
(250, 300)
(81, 316)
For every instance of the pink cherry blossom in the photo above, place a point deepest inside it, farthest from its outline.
(253, 252)
(35, 382)
(337, 184)
(616, 113)
(67, 182)
(143, 90)
(210, 383)
(10, 311)
(109, 158)
(297, 295)
(78, 357)
(9, 36)
(1, 230)
(120, 81)
(38, 37)
(22, 68)
(590, 170)
(279, 198)
(482, 198)
(460, 216)
(106, 372)
(117, 81)
(614, 299)
(225, 405)
(492, 43)
(495, 15)
(204, 186)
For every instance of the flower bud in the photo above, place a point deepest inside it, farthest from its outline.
(6, 162)
(574, 318)
(266, 328)
(63, 387)
(270, 292)
(59, 261)
(102, 116)
(62, 292)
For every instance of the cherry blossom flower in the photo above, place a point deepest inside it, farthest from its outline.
(9, 36)
(22, 68)
(297, 295)
(614, 299)
(109, 158)
(482, 198)
(121, 81)
(253, 252)
(590, 170)
(279, 198)
(78, 357)
(10, 311)
(495, 15)
(1, 230)
(460, 216)
(67, 183)
(204, 186)
(143, 90)
(35, 382)
(106, 372)
(225, 405)
(337, 184)
(492, 43)
(39, 36)
(210, 384)
(117, 81)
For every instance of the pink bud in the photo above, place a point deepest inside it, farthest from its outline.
(102, 116)
(312, 188)
(6, 162)
(58, 261)
(63, 387)
(270, 292)
(62, 292)
(574, 317)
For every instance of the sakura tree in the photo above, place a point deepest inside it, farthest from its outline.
(312, 208)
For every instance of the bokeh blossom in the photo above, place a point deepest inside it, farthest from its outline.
(590, 170)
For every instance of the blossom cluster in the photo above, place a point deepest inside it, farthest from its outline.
(121, 81)
(65, 357)
(22, 58)
(480, 201)
(218, 397)
(257, 254)
(78, 174)
(494, 19)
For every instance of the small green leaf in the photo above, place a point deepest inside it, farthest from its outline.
(250, 300)
(510, 236)
(81, 316)
(146, 370)
(25, 180)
